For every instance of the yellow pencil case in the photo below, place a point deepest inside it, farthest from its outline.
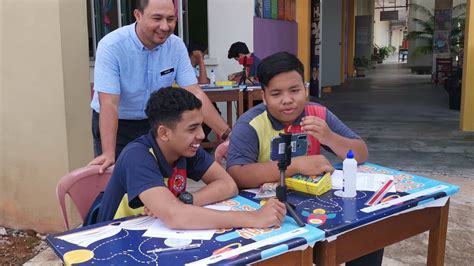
(316, 185)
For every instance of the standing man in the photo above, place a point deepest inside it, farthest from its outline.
(131, 63)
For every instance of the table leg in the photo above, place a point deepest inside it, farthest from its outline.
(229, 114)
(325, 253)
(250, 100)
(240, 104)
(437, 238)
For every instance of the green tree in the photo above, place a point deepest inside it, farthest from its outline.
(456, 35)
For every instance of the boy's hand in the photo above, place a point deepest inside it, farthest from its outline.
(197, 56)
(317, 127)
(312, 165)
(271, 214)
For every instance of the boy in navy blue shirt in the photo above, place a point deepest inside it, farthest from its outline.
(152, 170)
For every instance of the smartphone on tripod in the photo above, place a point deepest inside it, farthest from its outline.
(299, 146)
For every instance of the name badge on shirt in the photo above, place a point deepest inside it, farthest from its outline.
(167, 71)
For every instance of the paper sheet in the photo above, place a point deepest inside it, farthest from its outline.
(159, 229)
(87, 237)
(365, 181)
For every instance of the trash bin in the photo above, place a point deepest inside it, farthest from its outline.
(453, 86)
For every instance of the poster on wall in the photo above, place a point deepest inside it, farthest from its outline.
(315, 47)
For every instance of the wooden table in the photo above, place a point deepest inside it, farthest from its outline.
(375, 236)
(228, 96)
(253, 93)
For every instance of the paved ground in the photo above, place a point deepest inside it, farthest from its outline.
(408, 126)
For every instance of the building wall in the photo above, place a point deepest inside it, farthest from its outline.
(228, 22)
(381, 30)
(45, 117)
(396, 37)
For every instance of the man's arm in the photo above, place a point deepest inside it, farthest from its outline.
(108, 124)
(255, 174)
(160, 203)
(220, 186)
(211, 116)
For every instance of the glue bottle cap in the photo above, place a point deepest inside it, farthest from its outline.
(350, 155)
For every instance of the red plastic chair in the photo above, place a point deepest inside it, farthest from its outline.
(82, 185)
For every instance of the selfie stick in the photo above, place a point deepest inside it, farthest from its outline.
(281, 190)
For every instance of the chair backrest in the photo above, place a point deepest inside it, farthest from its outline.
(82, 185)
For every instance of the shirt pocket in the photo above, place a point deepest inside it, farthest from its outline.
(166, 79)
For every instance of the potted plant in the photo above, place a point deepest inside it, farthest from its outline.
(361, 64)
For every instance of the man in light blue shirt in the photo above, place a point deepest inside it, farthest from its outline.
(131, 63)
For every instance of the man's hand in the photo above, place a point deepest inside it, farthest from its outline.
(311, 165)
(234, 76)
(317, 127)
(271, 214)
(104, 160)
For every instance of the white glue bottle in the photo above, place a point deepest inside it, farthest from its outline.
(349, 169)
(212, 77)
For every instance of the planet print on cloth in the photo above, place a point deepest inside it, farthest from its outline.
(175, 242)
(227, 248)
(77, 256)
(318, 217)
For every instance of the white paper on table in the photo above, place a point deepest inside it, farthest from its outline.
(218, 207)
(365, 181)
(87, 237)
(159, 229)
(252, 190)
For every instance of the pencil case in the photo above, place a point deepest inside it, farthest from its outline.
(315, 185)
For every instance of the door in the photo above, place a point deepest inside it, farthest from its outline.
(330, 64)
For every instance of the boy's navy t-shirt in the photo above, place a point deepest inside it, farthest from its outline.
(142, 166)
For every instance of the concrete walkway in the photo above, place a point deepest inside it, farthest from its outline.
(408, 126)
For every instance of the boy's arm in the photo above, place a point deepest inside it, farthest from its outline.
(202, 78)
(220, 186)
(340, 145)
(255, 174)
(162, 204)
(319, 129)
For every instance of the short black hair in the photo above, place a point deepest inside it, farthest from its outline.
(166, 106)
(142, 4)
(193, 46)
(278, 63)
(237, 48)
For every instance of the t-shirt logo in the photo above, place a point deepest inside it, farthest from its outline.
(177, 182)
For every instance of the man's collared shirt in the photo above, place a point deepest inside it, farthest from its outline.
(124, 67)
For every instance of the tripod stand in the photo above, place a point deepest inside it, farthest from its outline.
(244, 77)
(281, 190)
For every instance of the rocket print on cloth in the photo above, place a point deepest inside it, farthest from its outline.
(177, 181)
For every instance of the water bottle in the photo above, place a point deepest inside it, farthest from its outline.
(212, 78)
(349, 169)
